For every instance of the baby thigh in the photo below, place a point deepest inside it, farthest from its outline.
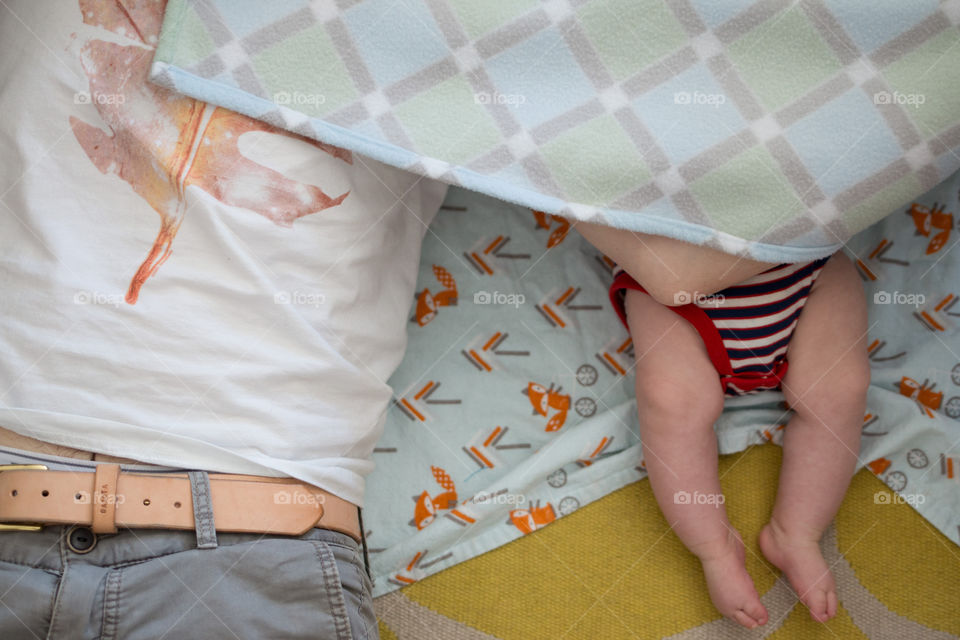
(667, 267)
(829, 370)
(679, 398)
(678, 390)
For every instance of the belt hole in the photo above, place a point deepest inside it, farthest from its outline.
(78, 497)
(146, 502)
(44, 493)
(14, 493)
(176, 504)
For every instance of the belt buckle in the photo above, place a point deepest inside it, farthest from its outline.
(21, 467)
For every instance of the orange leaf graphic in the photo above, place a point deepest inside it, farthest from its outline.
(159, 142)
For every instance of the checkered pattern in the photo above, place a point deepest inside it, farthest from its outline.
(780, 129)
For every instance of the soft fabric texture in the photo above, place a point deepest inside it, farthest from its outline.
(778, 128)
(184, 285)
(614, 570)
(515, 402)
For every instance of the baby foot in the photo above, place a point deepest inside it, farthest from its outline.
(729, 584)
(801, 561)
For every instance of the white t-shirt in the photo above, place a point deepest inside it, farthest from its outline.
(180, 284)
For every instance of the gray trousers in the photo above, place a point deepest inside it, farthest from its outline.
(64, 582)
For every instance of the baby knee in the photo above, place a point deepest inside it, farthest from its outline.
(669, 402)
(843, 395)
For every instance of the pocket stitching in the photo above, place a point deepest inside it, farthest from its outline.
(363, 594)
(110, 617)
(334, 589)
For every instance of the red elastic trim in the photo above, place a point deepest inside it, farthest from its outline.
(689, 312)
(749, 383)
(621, 282)
(710, 335)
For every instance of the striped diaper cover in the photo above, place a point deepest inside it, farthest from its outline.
(747, 327)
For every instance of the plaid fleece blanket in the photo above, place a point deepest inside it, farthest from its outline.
(772, 127)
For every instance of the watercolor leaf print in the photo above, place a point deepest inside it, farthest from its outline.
(160, 142)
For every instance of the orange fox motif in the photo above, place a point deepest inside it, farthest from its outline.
(427, 304)
(558, 234)
(426, 507)
(543, 400)
(926, 220)
(925, 397)
(536, 517)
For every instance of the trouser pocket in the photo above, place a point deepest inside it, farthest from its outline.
(27, 596)
(269, 588)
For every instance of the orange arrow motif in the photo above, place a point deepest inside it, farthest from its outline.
(160, 142)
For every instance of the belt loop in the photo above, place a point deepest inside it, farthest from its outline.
(202, 510)
(105, 498)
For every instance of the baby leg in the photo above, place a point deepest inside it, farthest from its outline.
(826, 386)
(678, 399)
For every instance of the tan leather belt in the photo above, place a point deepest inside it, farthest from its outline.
(110, 498)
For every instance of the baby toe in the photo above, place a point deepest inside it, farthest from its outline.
(757, 611)
(744, 619)
(816, 602)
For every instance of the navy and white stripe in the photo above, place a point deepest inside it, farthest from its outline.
(754, 321)
(756, 318)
